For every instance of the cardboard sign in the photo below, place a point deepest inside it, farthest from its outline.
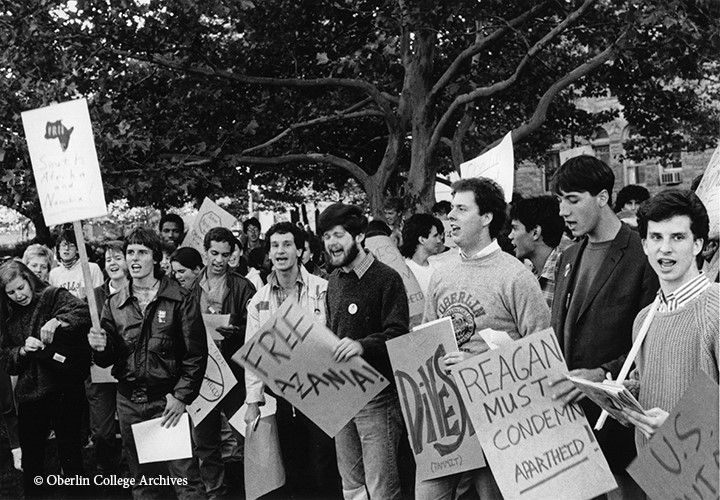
(384, 250)
(681, 460)
(293, 356)
(536, 447)
(441, 436)
(709, 192)
(64, 161)
(209, 216)
(497, 164)
(101, 375)
(216, 384)
(263, 464)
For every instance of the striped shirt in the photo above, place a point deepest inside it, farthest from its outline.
(547, 276)
(278, 293)
(686, 293)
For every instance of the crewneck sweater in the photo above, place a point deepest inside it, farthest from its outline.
(371, 310)
(678, 346)
(491, 291)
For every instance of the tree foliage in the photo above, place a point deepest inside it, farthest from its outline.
(194, 98)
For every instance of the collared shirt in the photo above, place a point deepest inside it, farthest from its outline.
(686, 293)
(278, 293)
(211, 299)
(363, 265)
(482, 253)
(547, 276)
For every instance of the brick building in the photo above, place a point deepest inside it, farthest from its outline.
(607, 144)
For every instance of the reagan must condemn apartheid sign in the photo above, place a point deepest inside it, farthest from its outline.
(293, 356)
(441, 435)
(536, 447)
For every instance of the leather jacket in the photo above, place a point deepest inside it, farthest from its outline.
(162, 351)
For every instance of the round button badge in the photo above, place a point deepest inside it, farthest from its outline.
(352, 308)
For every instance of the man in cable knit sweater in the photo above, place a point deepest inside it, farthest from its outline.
(683, 337)
(366, 306)
(480, 287)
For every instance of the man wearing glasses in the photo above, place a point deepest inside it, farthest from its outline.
(69, 274)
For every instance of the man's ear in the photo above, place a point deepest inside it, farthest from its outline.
(603, 197)
(486, 218)
(536, 233)
(360, 238)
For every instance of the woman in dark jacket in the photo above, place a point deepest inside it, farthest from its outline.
(43, 340)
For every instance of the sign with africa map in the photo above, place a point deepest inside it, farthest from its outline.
(64, 161)
(293, 356)
(537, 447)
(441, 435)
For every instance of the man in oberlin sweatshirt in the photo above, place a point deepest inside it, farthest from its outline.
(683, 337)
(366, 306)
(479, 286)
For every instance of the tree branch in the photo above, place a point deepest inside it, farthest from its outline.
(350, 167)
(315, 121)
(478, 46)
(369, 89)
(539, 116)
(505, 84)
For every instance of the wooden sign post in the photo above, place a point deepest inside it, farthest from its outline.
(67, 173)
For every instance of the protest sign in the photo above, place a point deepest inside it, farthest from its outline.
(681, 460)
(213, 321)
(384, 250)
(209, 216)
(566, 154)
(64, 161)
(155, 443)
(266, 410)
(293, 356)
(263, 464)
(101, 375)
(497, 164)
(536, 447)
(441, 436)
(709, 192)
(216, 384)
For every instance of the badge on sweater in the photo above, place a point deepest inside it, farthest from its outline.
(162, 316)
(352, 308)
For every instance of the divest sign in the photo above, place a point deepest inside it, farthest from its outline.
(65, 165)
(293, 356)
(536, 447)
(441, 435)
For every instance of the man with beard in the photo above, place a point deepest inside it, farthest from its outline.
(366, 306)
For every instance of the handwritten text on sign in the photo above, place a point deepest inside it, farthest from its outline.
(217, 382)
(442, 438)
(683, 459)
(535, 446)
(65, 165)
(293, 356)
(209, 216)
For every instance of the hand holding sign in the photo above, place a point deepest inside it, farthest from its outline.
(97, 339)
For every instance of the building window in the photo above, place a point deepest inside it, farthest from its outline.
(601, 145)
(552, 163)
(634, 173)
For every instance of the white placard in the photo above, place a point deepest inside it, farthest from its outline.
(155, 443)
(572, 153)
(709, 192)
(209, 216)
(216, 384)
(64, 160)
(238, 420)
(497, 164)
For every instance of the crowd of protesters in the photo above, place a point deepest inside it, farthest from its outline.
(574, 261)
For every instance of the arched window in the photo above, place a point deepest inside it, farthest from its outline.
(601, 144)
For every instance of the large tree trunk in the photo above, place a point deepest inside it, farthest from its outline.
(42, 232)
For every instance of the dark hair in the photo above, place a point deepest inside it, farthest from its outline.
(252, 221)
(629, 193)
(377, 227)
(13, 269)
(417, 226)
(316, 246)
(221, 235)
(146, 237)
(668, 204)
(66, 235)
(543, 211)
(350, 217)
(286, 228)
(188, 257)
(489, 198)
(172, 218)
(696, 182)
(114, 245)
(584, 173)
(256, 258)
(393, 203)
(442, 207)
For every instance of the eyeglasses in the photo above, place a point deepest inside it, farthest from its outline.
(66, 244)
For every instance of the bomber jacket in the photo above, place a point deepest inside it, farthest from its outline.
(163, 351)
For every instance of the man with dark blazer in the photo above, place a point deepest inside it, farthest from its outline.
(601, 283)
